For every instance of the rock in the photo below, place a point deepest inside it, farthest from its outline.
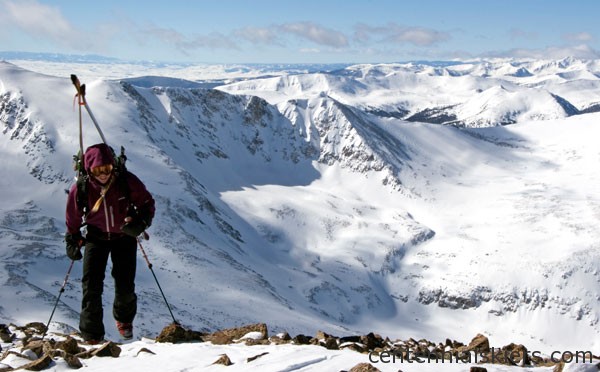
(109, 349)
(314, 341)
(371, 341)
(145, 350)
(87, 354)
(227, 336)
(283, 338)
(354, 346)
(331, 343)
(477, 369)
(39, 364)
(512, 355)
(479, 344)
(175, 333)
(322, 335)
(517, 354)
(224, 360)
(326, 340)
(364, 367)
(5, 334)
(353, 339)
(11, 357)
(36, 327)
(48, 347)
(301, 340)
(36, 346)
(69, 345)
(253, 358)
(73, 361)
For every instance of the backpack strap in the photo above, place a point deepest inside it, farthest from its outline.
(81, 182)
(82, 198)
(121, 173)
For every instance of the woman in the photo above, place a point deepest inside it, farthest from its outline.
(120, 209)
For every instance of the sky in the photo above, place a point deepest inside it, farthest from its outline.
(308, 31)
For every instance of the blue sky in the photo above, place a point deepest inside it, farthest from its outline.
(307, 31)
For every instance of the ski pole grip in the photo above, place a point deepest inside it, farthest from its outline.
(80, 88)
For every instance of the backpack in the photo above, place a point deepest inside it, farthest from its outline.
(120, 172)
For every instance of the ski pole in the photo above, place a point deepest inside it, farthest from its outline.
(139, 240)
(82, 101)
(62, 289)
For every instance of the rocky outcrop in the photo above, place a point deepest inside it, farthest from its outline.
(33, 352)
(30, 351)
(175, 333)
(364, 367)
(249, 332)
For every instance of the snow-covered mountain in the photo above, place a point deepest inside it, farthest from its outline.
(475, 94)
(318, 207)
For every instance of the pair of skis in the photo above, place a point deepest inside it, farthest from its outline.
(80, 96)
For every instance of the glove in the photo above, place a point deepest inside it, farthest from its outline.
(134, 226)
(74, 244)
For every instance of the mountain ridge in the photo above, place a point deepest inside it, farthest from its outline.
(450, 94)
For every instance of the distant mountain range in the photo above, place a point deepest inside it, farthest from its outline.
(99, 59)
(467, 94)
(57, 57)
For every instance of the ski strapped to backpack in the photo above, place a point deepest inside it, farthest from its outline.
(120, 171)
(82, 102)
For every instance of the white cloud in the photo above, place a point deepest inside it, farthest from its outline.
(582, 51)
(275, 35)
(315, 33)
(258, 35)
(184, 43)
(43, 22)
(310, 50)
(419, 36)
(516, 33)
(272, 35)
(580, 37)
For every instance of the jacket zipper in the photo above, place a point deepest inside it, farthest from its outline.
(108, 217)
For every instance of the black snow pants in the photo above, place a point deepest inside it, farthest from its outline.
(122, 252)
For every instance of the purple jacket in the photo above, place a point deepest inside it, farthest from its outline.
(115, 207)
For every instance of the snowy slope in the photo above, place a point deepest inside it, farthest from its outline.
(312, 214)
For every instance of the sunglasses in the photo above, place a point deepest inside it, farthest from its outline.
(102, 170)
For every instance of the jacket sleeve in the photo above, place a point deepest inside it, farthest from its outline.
(73, 215)
(141, 198)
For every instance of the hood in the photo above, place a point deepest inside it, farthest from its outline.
(97, 155)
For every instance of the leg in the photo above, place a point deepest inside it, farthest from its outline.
(123, 257)
(94, 266)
